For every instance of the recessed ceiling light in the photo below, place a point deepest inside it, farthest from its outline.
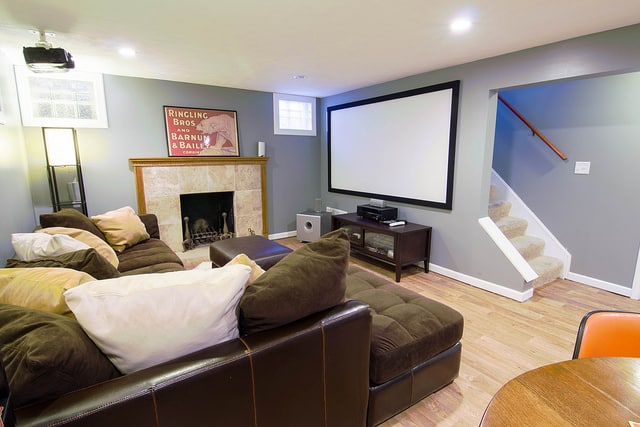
(129, 52)
(299, 77)
(460, 25)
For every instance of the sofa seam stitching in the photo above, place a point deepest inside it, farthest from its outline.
(253, 383)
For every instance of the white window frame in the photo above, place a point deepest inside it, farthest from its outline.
(95, 99)
(278, 129)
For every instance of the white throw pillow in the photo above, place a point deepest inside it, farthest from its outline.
(143, 320)
(30, 246)
(90, 239)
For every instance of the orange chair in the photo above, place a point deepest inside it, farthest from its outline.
(608, 333)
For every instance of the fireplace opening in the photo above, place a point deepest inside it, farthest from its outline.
(207, 217)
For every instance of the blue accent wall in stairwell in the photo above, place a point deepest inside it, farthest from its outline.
(594, 120)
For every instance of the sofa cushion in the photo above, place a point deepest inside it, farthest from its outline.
(39, 288)
(122, 228)
(407, 328)
(46, 355)
(308, 280)
(150, 256)
(70, 218)
(90, 239)
(30, 246)
(140, 321)
(88, 261)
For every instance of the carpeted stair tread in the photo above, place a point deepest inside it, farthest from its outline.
(512, 226)
(493, 193)
(530, 247)
(548, 269)
(499, 209)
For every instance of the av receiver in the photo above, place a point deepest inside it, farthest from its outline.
(377, 213)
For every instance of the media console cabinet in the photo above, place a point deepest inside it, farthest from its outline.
(400, 245)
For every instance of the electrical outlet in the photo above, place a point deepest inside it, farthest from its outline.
(582, 168)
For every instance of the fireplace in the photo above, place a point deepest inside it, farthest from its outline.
(161, 181)
(207, 217)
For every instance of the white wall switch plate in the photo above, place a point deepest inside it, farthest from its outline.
(582, 168)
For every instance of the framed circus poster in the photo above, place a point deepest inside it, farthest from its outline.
(201, 132)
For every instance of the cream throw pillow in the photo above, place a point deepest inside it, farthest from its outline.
(121, 227)
(30, 246)
(40, 288)
(243, 259)
(143, 320)
(88, 238)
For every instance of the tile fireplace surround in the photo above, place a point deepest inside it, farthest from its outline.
(161, 180)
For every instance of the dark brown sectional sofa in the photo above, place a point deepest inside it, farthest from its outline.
(312, 372)
(341, 364)
(148, 256)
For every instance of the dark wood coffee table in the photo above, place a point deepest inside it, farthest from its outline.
(581, 392)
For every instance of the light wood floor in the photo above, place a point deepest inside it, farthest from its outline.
(502, 338)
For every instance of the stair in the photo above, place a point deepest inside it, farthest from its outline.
(531, 248)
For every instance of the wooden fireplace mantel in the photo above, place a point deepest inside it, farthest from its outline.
(192, 161)
(138, 164)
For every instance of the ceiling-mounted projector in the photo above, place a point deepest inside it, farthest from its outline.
(42, 58)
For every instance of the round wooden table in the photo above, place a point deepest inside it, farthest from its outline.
(581, 392)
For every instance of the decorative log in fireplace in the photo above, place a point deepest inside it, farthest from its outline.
(203, 236)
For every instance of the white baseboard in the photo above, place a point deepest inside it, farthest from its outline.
(600, 284)
(483, 284)
(283, 235)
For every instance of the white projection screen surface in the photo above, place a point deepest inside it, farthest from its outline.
(398, 147)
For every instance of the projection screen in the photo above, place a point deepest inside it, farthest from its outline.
(398, 147)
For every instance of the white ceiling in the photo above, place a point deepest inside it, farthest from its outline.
(338, 45)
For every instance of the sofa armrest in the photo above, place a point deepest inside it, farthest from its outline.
(150, 222)
(315, 369)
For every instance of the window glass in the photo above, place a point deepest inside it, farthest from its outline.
(294, 115)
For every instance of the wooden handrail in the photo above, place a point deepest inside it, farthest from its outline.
(533, 128)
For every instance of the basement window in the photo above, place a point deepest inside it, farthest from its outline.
(73, 100)
(294, 115)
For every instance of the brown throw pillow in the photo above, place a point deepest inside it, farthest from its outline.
(87, 238)
(70, 218)
(308, 280)
(46, 355)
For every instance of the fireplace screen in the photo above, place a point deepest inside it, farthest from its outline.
(207, 217)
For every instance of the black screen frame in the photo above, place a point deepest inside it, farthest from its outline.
(447, 203)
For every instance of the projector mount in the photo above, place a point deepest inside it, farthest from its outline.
(42, 42)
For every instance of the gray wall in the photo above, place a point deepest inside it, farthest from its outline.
(17, 213)
(136, 129)
(458, 244)
(594, 216)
